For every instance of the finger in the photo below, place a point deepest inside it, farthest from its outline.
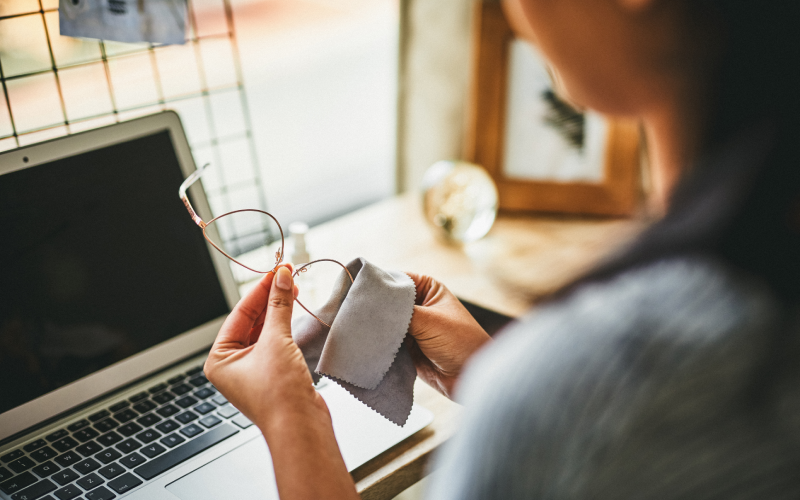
(245, 314)
(428, 289)
(420, 325)
(279, 306)
(255, 332)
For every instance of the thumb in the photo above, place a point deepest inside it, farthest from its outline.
(279, 306)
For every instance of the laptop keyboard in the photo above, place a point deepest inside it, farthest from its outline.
(121, 447)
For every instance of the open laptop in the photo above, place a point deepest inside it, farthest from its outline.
(109, 300)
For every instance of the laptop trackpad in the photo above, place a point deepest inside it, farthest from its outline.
(244, 473)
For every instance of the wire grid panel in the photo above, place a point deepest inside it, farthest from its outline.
(54, 86)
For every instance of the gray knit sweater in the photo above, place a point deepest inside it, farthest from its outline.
(660, 383)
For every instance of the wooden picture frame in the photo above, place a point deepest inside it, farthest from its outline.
(617, 193)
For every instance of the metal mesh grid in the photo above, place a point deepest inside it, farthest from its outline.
(54, 86)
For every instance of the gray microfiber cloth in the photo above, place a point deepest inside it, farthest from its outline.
(363, 349)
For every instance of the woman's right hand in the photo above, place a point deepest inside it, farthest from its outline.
(446, 334)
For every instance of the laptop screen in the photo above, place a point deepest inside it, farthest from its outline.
(99, 260)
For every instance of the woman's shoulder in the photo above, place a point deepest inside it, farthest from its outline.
(670, 311)
(581, 389)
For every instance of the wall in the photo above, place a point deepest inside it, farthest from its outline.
(434, 76)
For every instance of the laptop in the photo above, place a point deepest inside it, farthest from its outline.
(110, 298)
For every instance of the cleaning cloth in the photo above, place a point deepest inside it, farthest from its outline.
(366, 349)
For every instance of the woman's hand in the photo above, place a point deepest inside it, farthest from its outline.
(447, 335)
(263, 374)
(256, 365)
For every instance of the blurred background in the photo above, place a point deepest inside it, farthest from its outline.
(307, 108)
(292, 101)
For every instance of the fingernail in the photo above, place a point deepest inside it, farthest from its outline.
(284, 278)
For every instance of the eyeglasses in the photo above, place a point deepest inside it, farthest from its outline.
(247, 211)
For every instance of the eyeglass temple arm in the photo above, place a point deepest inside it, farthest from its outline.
(193, 177)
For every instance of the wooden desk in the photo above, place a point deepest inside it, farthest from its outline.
(521, 259)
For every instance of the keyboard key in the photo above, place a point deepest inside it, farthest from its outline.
(198, 381)
(106, 425)
(64, 444)
(219, 399)
(64, 476)
(242, 421)
(46, 469)
(36, 491)
(168, 426)
(80, 424)
(86, 466)
(108, 455)
(186, 402)
(144, 406)
(176, 379)
(186, 417)
(21, 464)
(68, 492)
(181, 389)
(204, 393)
(193, 371)
(124, 483)
(44, 454)
(16, 484)
(204, 408)
(84, 435)
(184, 452)
(118, 406)
(111, 471)
(94, 417)
(89, 448)
(227, 411)
(10, 457)
(148, 420)
(34, 445)
(172, 440)
(148, 436)
(164, 397)
(59, 434)
(210, 421)
(90, 481)
(168, 411)
(138, 397)
(4, 474)
(33, 492)
(157, 388)
(101, 493)
(191, 430)
(130, 429)
(132, 460)
(152, 450)
(109, 438)
(68, 459)
(128, 445)
(125, 415)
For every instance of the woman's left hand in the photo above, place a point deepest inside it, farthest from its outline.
(255, 363)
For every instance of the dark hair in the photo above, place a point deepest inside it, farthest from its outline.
(740, 201)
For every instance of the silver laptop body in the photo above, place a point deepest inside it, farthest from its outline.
(109, 300)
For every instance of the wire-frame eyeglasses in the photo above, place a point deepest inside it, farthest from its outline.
(191, 179)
